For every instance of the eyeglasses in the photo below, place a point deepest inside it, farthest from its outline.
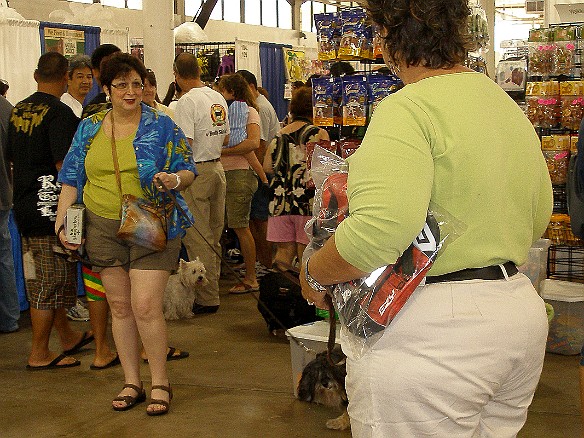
(124, 86)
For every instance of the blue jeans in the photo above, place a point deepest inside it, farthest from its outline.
(9, 307)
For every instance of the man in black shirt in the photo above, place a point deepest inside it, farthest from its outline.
(39, 135)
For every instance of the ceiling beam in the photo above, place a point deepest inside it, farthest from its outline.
(205, 12)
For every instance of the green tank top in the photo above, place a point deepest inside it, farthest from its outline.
(101, 195)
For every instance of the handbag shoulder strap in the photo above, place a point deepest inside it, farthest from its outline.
(115, 158)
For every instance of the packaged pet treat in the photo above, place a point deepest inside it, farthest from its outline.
(379, 86)
(563, 57)
(377, 43)
(366, 306)
(572, 111)
(541, 52)
(325, 33)
(355, 99)
(322, 101)
(354, 40)
(550, 112)
(533, 110)
(557, 163)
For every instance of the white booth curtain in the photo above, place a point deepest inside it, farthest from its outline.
(117, 37)
(21, 48)
(247, 57)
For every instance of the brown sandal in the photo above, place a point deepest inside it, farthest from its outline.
(164, 403)
(128, 399)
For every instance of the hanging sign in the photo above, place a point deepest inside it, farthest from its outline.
(65, 41)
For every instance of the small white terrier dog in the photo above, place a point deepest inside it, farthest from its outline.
(179, 295)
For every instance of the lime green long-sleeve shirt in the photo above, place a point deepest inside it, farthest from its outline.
(459, 141)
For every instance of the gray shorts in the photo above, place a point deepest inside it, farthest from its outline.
(105, 249)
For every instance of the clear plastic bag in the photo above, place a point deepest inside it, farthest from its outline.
(366, 306)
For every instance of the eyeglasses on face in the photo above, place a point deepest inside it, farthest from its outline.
(125, 86)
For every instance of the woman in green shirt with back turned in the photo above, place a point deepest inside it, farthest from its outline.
(464, 355)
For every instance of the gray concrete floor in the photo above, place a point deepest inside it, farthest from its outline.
(236, 383)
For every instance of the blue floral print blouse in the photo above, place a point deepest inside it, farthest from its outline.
(159, 145)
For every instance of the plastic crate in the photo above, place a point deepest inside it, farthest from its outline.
(566, 262)
(314, 336)
(566, 333)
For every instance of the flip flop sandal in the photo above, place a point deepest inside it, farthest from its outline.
(82, 343)
(164, 403)
(112, 363)
(54, 364)
(243, 288)
(128, 399)
(173, 354)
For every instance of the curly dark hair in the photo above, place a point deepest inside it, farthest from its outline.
(237, 85)
(428, 33)
(301, 103)
(120, 64)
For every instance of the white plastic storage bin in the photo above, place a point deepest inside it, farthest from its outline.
(566, 334)
(314, 336)
(536, 264)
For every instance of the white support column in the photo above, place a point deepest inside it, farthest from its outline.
(158, 19)
(489, 7)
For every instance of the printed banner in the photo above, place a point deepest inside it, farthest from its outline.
(65, 41)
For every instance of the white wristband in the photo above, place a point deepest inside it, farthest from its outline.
(177, 180)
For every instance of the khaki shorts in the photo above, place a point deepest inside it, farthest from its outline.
(105, 249)
(241, 185)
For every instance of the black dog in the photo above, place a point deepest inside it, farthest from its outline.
(324, 383)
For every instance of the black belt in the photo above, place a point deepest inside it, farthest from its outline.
(214, 160)
(487, 273)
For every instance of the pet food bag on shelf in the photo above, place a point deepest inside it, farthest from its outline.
(566, 334)
(366, 306)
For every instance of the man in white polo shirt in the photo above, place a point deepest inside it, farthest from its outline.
(79, 83)
(202, 114)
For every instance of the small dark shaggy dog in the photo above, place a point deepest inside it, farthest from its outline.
(324, 383)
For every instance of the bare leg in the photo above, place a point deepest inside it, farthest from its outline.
(147, 295)
(42, 323)
(68, 337)
(259, 230)
(285, 252)
(98, 317)
(300, 247)
(249, 254)
(118, 289)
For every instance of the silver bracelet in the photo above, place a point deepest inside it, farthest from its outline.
(177, 180)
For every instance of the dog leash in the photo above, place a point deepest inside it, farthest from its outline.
(237, 276)
(289, 272)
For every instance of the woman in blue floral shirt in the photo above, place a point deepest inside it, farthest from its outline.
(149, 146)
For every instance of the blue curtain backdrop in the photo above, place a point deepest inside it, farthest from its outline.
(274, 75)
(92, 39)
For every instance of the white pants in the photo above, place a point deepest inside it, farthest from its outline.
(461, 359)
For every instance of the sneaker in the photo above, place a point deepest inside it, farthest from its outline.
(261, 270)
(78, 312)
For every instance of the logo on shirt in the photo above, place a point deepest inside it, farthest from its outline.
(218, 115)
(27, 116)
